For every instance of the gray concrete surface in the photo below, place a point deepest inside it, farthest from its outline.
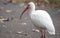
(17, 28)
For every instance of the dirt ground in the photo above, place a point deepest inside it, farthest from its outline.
(23, 28)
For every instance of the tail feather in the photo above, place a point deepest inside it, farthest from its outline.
(51, 33)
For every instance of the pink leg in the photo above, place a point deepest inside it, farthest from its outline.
(44, 34)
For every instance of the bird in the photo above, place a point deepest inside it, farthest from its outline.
(41, 19)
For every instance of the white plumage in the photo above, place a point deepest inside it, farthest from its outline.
(40, 18)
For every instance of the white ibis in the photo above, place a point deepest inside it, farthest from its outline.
(41, 20)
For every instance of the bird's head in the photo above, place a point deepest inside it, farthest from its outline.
(30, 6)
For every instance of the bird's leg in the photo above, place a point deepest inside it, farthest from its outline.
(43, 33)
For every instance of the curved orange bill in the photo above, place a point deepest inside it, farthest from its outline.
(24, 11)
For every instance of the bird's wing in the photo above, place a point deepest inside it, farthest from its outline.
(44, 18)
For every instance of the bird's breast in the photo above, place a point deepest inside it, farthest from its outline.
(36, 21)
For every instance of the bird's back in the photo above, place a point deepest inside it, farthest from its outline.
(42, 19)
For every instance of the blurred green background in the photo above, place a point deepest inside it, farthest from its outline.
(54, 1)
(37, 0)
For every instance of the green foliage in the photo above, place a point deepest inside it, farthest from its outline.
(17, 0)
(20, 1)
(52, 1)
(55, 1)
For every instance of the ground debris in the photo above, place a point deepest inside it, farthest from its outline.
(2, 19)
(22, 33)
(19, 32)
(24, 23)
(8, 11)
(35, 30)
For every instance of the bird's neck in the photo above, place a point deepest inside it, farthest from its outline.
(31, 11)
